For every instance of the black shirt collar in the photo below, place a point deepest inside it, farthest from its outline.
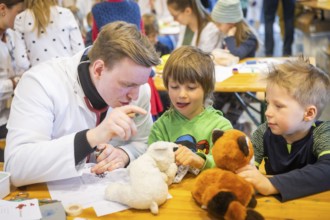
(87, 85)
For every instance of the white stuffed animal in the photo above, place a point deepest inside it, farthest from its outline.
(150, 175)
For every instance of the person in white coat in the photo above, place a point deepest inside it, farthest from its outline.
(82, 104)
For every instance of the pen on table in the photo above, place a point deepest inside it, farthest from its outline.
(249, 62)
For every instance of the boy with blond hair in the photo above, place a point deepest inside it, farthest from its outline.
(293, 143)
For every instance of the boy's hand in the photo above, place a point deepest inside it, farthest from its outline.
(259, 181)
(184, 156)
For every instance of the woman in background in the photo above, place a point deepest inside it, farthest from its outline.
(8, 78)
(239, 37)
(241, 42)
(44, 31)
(197, 26)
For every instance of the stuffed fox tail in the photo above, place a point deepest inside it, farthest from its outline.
(225, 205)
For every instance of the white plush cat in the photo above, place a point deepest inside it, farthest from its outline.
(150, 175)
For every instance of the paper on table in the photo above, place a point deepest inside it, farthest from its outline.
(88, 190)
(22, 210)
(259, 66)
(223, 72)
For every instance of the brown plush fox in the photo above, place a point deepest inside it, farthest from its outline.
(223, 193)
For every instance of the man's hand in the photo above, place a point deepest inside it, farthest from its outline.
(118, 123)
(110, 158)
(184, 156)
(259, 181)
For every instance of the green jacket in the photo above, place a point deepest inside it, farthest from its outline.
(172, 125)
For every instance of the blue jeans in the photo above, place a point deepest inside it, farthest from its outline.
(270, 8)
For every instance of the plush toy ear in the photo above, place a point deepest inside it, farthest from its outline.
(216, 134)
(162, 146)
(243, 145)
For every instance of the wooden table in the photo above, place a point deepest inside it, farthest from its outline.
(247, 82)
(316, 4)
(182, 206)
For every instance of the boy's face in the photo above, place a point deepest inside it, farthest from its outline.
(187, 98)
(285, 116)
(152, 38)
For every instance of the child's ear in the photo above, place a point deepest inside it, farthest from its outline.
(310, 113)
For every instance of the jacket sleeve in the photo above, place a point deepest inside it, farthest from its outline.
(210, 38)
(76, 40)
(258, 145)
(20, 50)
(244, 49)
(6, 89)
(32, 153)
(6, 85)
(311, 179)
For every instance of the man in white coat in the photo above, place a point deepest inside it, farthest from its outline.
(65, 109)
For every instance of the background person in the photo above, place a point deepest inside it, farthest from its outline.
(197, 27)
(9, 75)
(44, 31)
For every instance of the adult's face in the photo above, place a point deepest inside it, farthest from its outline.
(120, 85)
(7, 15)
(183, 17)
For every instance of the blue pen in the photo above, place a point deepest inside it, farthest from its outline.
(249, 62)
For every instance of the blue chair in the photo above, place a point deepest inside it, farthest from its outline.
(168, 40)
(209, 4)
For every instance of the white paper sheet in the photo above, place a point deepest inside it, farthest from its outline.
(22, 210)
(223, 72)
(88, 190)
(260, 66)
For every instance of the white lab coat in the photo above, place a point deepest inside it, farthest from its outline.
(47, 111)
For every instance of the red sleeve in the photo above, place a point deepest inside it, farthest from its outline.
(95, 31)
